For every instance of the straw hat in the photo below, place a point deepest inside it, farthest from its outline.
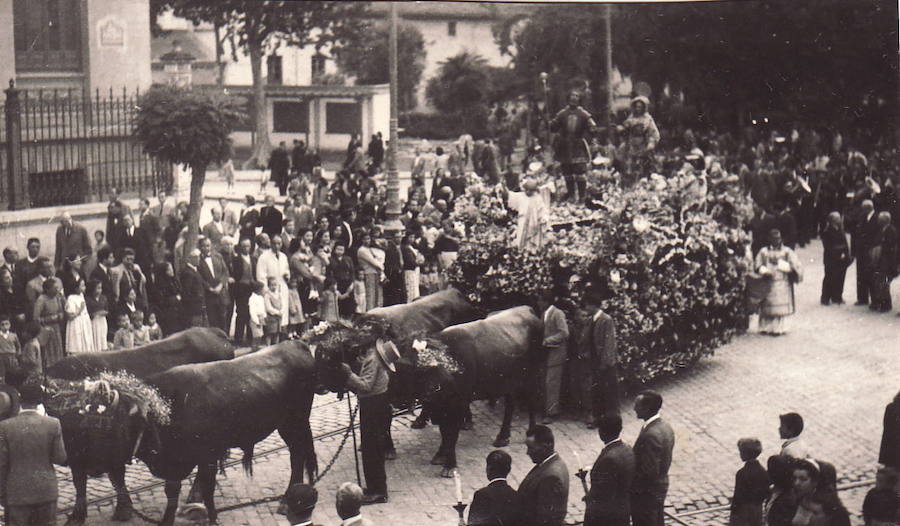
(388, 353)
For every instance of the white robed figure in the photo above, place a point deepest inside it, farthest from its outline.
(273, 263)
(782, 267)
(79, 333)
(534, 216)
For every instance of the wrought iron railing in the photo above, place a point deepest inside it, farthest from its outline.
(73, 147)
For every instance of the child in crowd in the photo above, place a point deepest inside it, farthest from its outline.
(358, 289)
(30, 360)
(10, 348)
(154, 332)
(882, 504)
(295, 310)
(124, 337)
(430, 282)
(273, 311)
(257, 305)
(141, 334)
(751, 486)
(328, 307)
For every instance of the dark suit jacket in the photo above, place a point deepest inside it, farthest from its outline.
(210, 282)
(496, 504)
(271, 220)
(215, 236)
(105, 278)
(243, 276)
(29, 446)
(653, 456)
(248, 222)
(598, 342)
(751, 488)
(544, 494)
(889, 454)
(76, 242)
(611, 479)
(393, 262)
(193, 297)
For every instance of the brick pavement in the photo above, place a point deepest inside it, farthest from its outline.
(837, 367)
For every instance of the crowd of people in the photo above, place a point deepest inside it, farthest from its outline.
(264, 273)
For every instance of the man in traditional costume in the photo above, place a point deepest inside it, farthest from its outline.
(573, 125)
(641, 138)
(782, 266)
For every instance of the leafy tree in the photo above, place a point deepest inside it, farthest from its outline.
(817, 61)
(256, 27)
(461, 87)
(188, 127)
(369, 62)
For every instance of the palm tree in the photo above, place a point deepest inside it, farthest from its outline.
(461, 84)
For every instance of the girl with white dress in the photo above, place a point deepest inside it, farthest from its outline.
(98, 310)
(79, 334)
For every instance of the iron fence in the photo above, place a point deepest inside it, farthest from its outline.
(73, 147)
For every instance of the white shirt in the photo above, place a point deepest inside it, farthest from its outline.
(257, 306)
(496, 479)
(611, 442)
(548, 458)
(650, 421)
(307, 523)
(209, 263)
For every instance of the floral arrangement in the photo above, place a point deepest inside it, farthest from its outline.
(429, 352)
(95, 396)
(330, 339)
(668, 255)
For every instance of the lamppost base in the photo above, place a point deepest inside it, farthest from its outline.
(392, 225)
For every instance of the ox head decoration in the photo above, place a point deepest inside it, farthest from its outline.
(426, 366)
(341, 342)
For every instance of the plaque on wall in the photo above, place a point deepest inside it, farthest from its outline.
(112, 33)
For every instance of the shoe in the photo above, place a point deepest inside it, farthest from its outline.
(390, 454)
(591, 424)
(375, 498)
(419, 423)
(546, 421)
(861, 303)
(825, 302)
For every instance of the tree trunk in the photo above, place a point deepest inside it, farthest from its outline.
(198, 176)
(220, 52)
(262, 147)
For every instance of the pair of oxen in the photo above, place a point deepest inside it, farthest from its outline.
(221, 402)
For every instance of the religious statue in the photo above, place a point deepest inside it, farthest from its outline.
(641, 137)
(573, 125)
(534, 216)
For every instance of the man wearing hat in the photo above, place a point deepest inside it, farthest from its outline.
(301, 501)
(371, 387)
(30, 444)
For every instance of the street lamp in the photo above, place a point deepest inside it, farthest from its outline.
(392, 212)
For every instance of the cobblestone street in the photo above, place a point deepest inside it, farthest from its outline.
(837, 367)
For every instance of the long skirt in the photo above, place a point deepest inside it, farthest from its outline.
(411, 284)
(780, 299)
(771, 324)
(80, 335)
(100, 330)
(51, 345)
(374, 292)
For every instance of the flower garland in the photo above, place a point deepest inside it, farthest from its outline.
(91, 396)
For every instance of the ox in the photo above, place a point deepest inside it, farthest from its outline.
(94, 453)
(499, 356)
(235, 403)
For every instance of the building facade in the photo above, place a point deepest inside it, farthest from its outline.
(81, 45)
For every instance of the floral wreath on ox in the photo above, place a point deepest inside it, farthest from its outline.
(668, 256)
(334, 339)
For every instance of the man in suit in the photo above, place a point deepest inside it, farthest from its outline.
(162, 211)
(244, 267)
(30, 444)
(126, 276)
(348, 500)
(270, 218)
(653, 457)
(608, 500)
(861, 238)
(229, 218)
(71, 238)
(280, 164)
(544, 493)
(555, 347)
(883, 262)
(216, 279)
(300, 500)
(116, 210)
(10, 260)
(303, 216)
(496, 504)
(597, 349)
(193, 291)
(215, 229)
(249, 220)
(394, 289)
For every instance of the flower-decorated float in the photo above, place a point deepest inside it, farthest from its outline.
(667, 255)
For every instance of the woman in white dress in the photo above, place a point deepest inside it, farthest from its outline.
(79, 334)
(274, 263)
(98, 308)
